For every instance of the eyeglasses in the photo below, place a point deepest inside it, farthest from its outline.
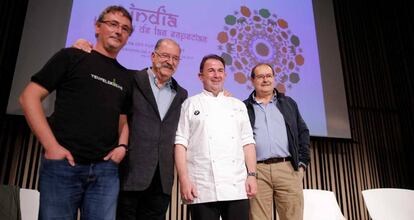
(262, 77)
(168, 56)
(114, 25)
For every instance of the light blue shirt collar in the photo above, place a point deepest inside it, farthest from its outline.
(154, 80)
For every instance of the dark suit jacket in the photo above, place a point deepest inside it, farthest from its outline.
(151, 141)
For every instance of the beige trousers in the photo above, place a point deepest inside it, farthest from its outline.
(281, 184)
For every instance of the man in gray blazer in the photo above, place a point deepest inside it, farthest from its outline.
(147, 171)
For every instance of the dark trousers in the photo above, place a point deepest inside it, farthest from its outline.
(150, 204)
(228, 210)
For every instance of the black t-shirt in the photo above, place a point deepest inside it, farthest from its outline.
(92, 90)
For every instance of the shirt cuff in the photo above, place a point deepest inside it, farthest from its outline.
(181, 140)
(302, 164)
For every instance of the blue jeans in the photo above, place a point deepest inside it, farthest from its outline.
(91, 188)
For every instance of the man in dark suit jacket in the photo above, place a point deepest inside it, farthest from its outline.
(147, 172)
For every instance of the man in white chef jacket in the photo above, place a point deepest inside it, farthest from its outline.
(214, 150)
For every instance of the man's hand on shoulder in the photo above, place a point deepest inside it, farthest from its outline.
(83, 44)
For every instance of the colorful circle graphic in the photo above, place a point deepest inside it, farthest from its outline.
(259, 36)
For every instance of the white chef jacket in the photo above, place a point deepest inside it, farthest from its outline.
(214, 131)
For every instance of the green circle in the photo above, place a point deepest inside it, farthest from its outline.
(230, 20)
(264, 13)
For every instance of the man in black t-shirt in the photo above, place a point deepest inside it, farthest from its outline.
(87, 135)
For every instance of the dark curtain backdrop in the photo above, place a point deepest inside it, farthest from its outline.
(377, 45)
(12, 15)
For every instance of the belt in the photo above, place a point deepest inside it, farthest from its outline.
(275, 160)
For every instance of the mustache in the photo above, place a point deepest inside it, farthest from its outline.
(166, 65)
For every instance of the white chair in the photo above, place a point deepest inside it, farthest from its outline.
(321, 205)
(29, 204)
(389, 203)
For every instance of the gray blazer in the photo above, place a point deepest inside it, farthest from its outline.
(151, 141)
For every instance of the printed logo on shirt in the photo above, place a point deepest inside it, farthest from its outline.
(196, 112)
(111, 83)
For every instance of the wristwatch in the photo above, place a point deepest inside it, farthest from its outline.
(252, 174)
